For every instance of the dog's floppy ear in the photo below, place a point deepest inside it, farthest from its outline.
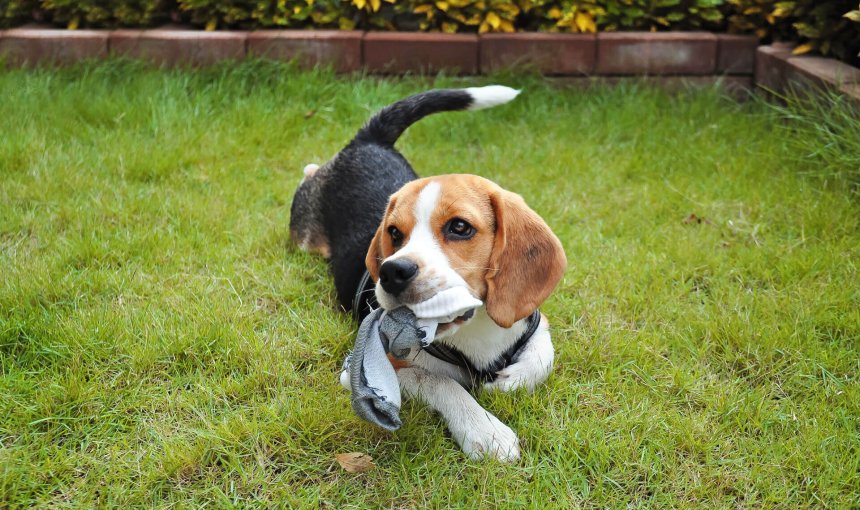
(526, 264)
(374, 254)
(374, 251)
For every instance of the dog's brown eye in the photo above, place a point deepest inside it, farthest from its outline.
(396, 235)
(459, 229)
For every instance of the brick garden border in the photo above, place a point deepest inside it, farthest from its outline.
(665, 57)
(777, 70)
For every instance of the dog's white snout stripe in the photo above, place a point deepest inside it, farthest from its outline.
(423, 246)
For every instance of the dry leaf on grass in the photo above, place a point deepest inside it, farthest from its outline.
(693, 219)
(355, 462)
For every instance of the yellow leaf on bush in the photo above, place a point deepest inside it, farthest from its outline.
(375, 5)
(506, 26)
(566, 21)
(803, 48)
(421, 9)
(212, 24)
(493, 19)
(584, 22)
(509, 8)
(554, 13)
(443, 6)
(73, 24)
(359, 3)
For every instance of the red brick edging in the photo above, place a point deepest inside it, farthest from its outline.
(609, 54)
(415, 52)
(777, 69)
(697, 56)
(28, 46)
(549, 54)
(340, 49)
(177, 47)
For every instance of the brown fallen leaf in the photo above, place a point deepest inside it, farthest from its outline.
(310, 113)
(355, 462)
(697, 220)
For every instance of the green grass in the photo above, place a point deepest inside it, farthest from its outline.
(162, 344)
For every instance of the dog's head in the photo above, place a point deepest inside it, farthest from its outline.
(463, 230)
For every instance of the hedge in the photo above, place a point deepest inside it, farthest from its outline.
(831, 27)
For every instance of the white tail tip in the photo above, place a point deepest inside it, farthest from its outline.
(491, 95)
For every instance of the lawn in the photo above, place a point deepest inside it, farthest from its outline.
(163, 344)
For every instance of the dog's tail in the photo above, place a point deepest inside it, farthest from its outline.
(385, 127)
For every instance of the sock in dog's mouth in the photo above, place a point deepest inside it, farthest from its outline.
(455, 305)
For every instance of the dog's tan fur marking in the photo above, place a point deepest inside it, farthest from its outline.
(399, 213)
(312, 241)
(513, 261)
(465, 197)
(398, 363)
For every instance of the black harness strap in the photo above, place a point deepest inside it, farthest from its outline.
(365, 300)
(452, 355)
(365, 297)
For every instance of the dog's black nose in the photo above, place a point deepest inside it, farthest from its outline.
(396, 274)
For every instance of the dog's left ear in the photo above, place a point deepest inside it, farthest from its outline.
(526, 264)
(375, 249)
(374, 254)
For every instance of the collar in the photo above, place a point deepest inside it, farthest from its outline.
(365, 300)
(453, 355)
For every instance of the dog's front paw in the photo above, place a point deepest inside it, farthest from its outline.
(518, 375)
(531, 368)
(509, 379)
(492, 439)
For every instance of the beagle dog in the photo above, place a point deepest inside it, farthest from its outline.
(366, 209)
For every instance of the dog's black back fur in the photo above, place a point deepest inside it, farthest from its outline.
(353, 206)
(347, 196)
